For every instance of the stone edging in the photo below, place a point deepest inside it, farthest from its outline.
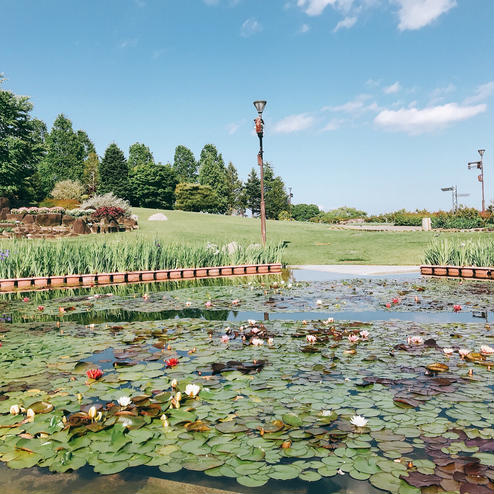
(75, 280)
(469, 272)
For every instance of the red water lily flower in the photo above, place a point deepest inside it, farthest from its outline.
(94, 373)
(396, 301)
(41, 308)
(388, 305)
(456, 308)
(171, 362)
(25, 299)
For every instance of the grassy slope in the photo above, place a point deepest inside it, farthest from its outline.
(310, 243)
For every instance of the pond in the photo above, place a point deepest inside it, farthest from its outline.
(295, 383)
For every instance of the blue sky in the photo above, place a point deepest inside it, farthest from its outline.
(374, 104)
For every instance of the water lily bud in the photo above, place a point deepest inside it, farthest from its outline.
(174, 383)
(98, 417)
(14, 410)
(178, 396)
(92, 412)
(64, 419)
(79, 396)
(30, 414)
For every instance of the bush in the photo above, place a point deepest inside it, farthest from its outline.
(59, 203)
(108, 200)
(77, 212)
(68, 189)
(55, 210)
(111, 213)
(338, 215)
(304, 212)
(196, 197)
(284, 216)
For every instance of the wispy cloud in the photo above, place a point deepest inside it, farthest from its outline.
(140, 3)
(333, 124)
(304, 28)
(232, 127)
(428, 119)
(415, 14)
(346, 23)
(394, 88)
(482, 92)
(158, 52)
(314, 7)
(211, 2)
(294, 123)
(128, 43)
(250, 27)
(356, 106)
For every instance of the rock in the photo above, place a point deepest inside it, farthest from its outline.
(129, 223)
(4, 203)
(158, 217)
(3, 213)
(29, 219)
(68, 220)
(49, 219)
(80, 227)
(15, 217)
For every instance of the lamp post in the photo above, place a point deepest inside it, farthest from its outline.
(259, 122)
(479, 165)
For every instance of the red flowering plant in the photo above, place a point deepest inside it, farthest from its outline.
(108, 212)
(171, 362)
(94, 373)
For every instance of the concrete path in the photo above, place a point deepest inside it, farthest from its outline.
(359, 269)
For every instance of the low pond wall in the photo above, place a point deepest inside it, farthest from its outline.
(469, 272)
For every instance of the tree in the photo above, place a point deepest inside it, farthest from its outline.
(153, 185)
(275, 195)
(212, 172)
(235, 196)
(304, 212)
(65, 155)
(196, 197)
(184, 164)
(139, 154)
(114, 172)
(21, 145)
(90, 176)
(252, 192)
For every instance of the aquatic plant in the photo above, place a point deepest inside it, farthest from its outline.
(446, 252)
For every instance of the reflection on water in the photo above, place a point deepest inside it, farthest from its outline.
(150, 480)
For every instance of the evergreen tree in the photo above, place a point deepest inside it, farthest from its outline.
(114, 172)
(66, 152)
(212, 172)
(235, 197)
(91, 177)
(196, 197)
(21, 145)
(252, 190)
(275, 196)
(184, 164)
(153, 185)
(139, 154)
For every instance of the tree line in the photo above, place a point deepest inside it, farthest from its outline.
(34, 159)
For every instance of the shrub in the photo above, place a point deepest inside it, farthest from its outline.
(108, 200)
(59, 203)
(304, 212)
(284, 216)
(196, 197)
(110, 213)
(457, 253)
(55, 210)
(68, 189)
(77, 212)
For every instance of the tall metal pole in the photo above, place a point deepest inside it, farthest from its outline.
(260, 162)
(481, 177)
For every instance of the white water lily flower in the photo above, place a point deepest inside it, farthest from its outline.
(415, 340)
(289, 285)
(192, 390)
(126, 422)
(364, 334)
(188, 304)
(124, 401)
(174, 383)
(358, 421)
(463, 352)
(30, 414)
(326, 413)
(486, 350)
(319, 302)
(311, 338)
(270, 341)
(448, 351)
(251, 322)
(257, 342)
(91, 412)
(15, 410)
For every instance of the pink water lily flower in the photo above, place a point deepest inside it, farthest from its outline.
(353, 338)
(209, 303)
(448, 352)
(415, 340)
(311, 338)
(235, 302)
(225, 339)
(364, 334)
(463, 352)
(486, 350)
(257, 342)
(25, 299)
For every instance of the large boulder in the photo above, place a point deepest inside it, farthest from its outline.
(3, 213)
(68, 220)
(4, 203)
(128, 223)
(49, 219)
(158, 217)
(28, 219)
(15, 217)
(80, 227)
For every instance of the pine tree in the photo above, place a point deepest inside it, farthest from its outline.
(235, 197)
(275, 196)
(212, 172)
(139, 154)
(114, 172)
(184, 164)
(253, 193)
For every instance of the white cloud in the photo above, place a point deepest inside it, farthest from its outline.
(128, 43)
(314, 7)
(394, 88)
(304, 28)
(250, 27)
(354, 107)
(415, 14)
(415, 121)
(333, 124)
(157, 53)
(347, 23)
(234, 126)
(372, 82)
(293, 123)
(482, 92)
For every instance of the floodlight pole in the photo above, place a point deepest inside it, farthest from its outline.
(480, 166)
(260, 161)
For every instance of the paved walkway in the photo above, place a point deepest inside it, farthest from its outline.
(358, 269)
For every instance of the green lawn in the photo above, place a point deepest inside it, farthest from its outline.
(309, 243)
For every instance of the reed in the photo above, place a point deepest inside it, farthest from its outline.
(478, 252)
(27, 258)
